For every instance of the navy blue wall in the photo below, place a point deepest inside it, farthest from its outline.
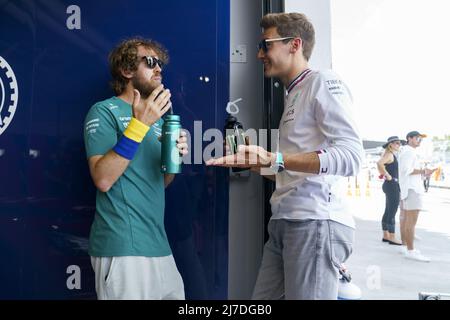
(47, 199)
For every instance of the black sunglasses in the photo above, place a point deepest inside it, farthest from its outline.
(262, 45)
(153, 61)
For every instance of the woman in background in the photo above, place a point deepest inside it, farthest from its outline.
(388, 168)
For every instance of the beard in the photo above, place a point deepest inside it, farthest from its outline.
(145, 88)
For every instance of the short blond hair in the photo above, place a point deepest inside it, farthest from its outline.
(292, 25)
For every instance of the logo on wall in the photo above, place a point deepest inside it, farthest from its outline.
(9, 94)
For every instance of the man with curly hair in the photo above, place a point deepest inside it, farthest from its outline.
(129, 250)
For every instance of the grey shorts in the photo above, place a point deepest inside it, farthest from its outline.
(301, 260)
(414, 201)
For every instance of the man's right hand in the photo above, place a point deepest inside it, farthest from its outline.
(150, 110)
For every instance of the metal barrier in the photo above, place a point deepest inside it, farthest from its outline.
(433, 296)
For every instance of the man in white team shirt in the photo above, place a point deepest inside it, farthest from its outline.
(411, 192)
(311, 231)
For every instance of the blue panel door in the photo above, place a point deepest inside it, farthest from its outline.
(47, 199)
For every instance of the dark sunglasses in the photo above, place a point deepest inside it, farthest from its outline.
(262, 45)
(153, 61)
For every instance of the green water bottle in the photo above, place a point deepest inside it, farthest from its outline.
(170, 155)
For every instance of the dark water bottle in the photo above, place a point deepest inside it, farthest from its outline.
(170, 155)
(234, 136)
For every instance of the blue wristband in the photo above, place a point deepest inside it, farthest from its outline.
(126, 147)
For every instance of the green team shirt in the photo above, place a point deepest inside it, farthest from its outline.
(129, 218)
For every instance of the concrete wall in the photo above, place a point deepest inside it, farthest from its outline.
(246, 219)
(319, 12)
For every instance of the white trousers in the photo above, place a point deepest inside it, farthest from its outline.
(137, 278)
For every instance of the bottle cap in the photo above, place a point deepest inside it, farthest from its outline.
(231, 118)
(171, 117)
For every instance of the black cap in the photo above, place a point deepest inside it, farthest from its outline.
(413, 134)
(393, 139)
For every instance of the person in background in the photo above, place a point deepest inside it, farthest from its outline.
(411, 192)
(388, 169)
(426, 178)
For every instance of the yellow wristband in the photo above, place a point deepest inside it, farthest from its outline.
(136, 130)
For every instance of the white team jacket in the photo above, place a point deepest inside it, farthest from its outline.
(317, 117)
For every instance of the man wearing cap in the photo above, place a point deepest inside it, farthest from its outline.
(411, 192)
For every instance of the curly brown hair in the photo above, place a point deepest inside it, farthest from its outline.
(292, 25)
(124, 58)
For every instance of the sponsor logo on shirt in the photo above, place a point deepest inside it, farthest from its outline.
(290, 110)
(92, 125)
(295, 99)
(125, 121)
(156, 130)
(335, 86)
(289, 115)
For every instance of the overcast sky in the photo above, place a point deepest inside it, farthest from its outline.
(395, 57)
